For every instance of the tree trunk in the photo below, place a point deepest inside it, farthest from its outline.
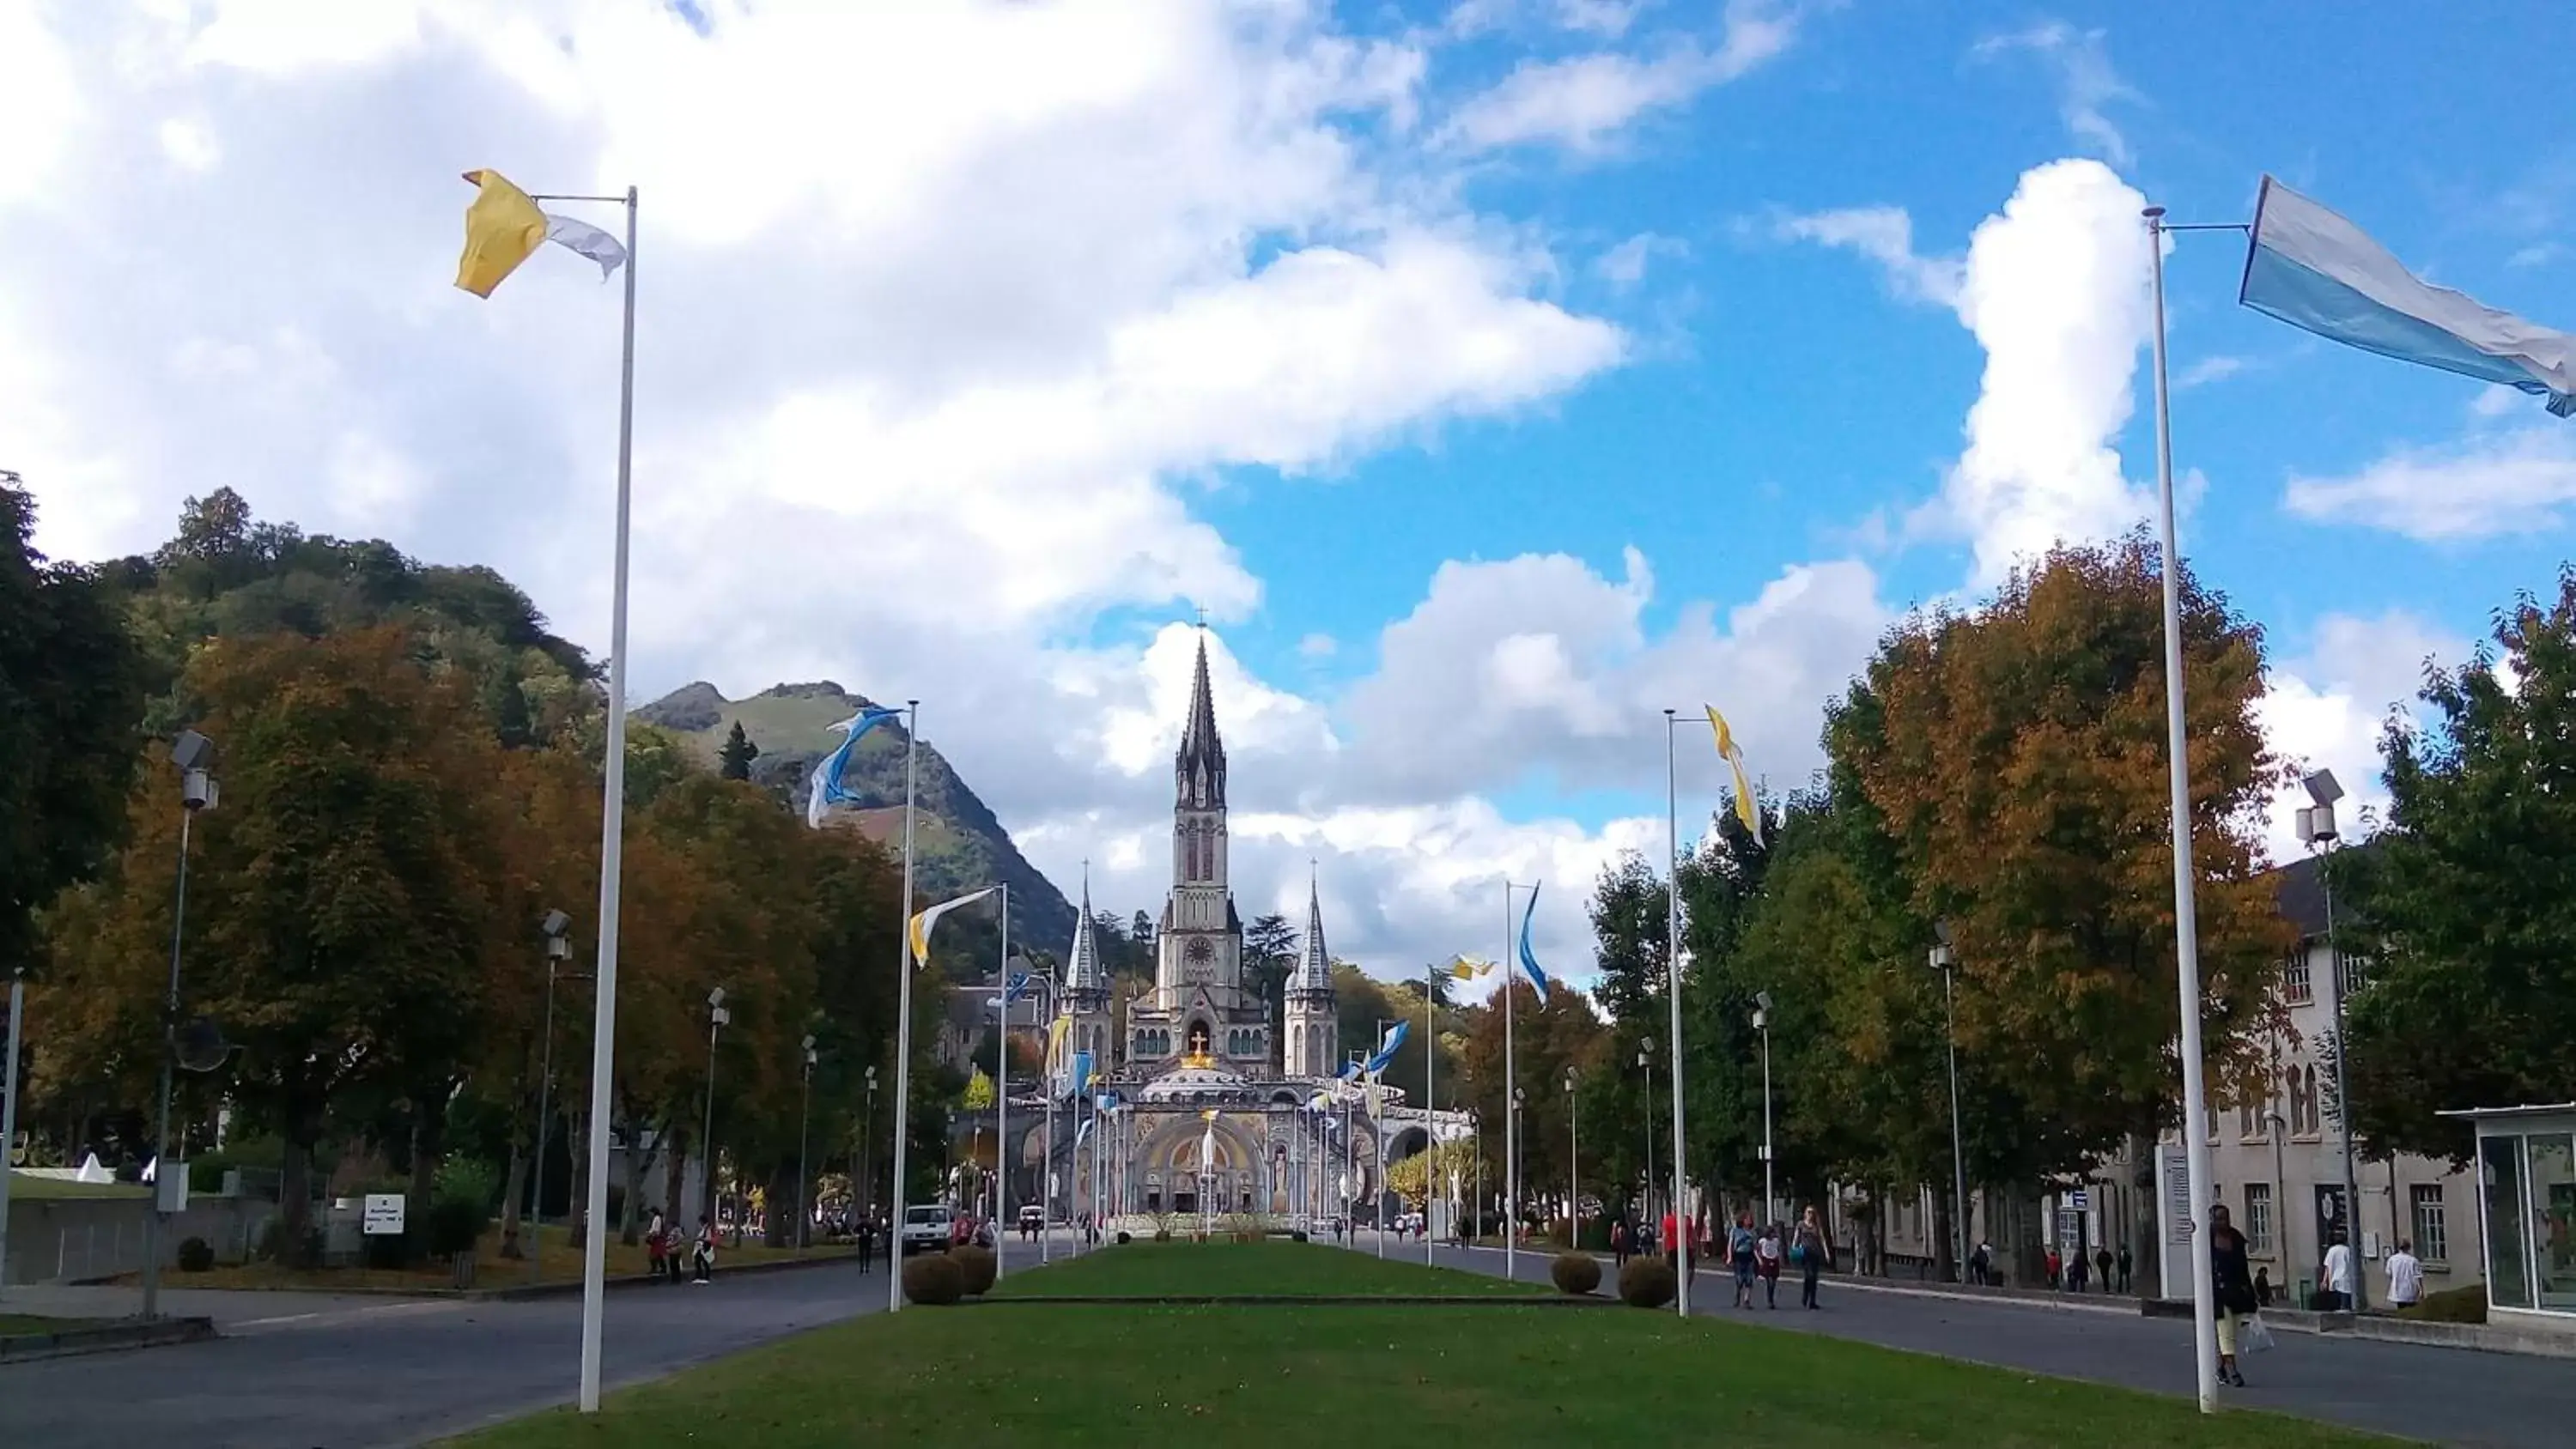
(674, 1146)
(630, 1222)
(1945, 1261)
(514, 1186)
(577, 1221)
(780, 1229)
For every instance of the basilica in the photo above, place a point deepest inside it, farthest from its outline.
(1203, 1103)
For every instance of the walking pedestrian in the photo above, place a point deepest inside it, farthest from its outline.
(2234, 1286)
(1981, 1264)
(1766, 1264)
(1672, 1241)
(2056, 1265)
(1619, 1241)
(657, 1247)
(2126, 1263)
(1814, 1255)
(706, 1251)
(2102, 1261)
(2338, 1275)
(1741, 1253)
(2076, 1270)
(2405, 1275)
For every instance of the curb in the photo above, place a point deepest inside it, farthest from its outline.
(1342, 1300)
(27, 1347)
(511, 1294)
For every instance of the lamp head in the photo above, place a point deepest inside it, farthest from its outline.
(2322, 787)
(809, 1043)
(555, 923)
(1762, 999)
(192, 751)
(1941, 956)
(715, 998)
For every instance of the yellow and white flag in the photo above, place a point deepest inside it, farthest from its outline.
(928, 921)
(1468, 968)
(1057, 1033)
(1745, 809)
(504, 226)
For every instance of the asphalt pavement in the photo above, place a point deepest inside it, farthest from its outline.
(2441, 1395)
(307, 1371)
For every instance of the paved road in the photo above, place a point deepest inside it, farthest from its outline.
(300, 1371)
(2446, 1395)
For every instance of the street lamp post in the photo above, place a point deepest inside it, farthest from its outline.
(1941, 962)
(558, 949)
(867, 1151)
(9, 1104)
(1518, 1141)
(1762, 1024)
(2316, 830)
(1573, 1169)
(717, 1019)
(1646, 1064)
(804, 1120)
(194, 754)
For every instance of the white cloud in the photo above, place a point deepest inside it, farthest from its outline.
(1885, 235)
(2056, 292)
(2086, 82)
(2326, 710)
(2214, 368)
(1317, 646)
(1607, 18)
(1584, 102)
(2495, 400)
(2539, 254)
(1625, 265)
(912, 410)
(2480, 486)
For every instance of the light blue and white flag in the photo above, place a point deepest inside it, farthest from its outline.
(1083, 1131)
(1081, 1073)
(826, 790)
(1385, 1053)
(1529, 959)
(1349, 1070)
(2313, 269)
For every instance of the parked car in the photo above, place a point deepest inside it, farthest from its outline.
(927, 1228)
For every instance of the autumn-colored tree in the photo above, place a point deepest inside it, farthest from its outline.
(2017, 755)
(338, 896)
(2464, 899)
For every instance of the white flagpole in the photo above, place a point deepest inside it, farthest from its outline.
(2195, 1113)
(1429, 1138)
(903, 1014)
(1002, 1097)
(612, 837)
(1511, 1138)
(1673, 998)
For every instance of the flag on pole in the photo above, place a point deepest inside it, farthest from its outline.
(1529, 958)
(1059, 1031)
(928, 921)
(1386, 1048)
(504, 225)
(824, 790)
(1746, 809)
(2311, 268)
(1468, 968)
(1207, 1141)
(1081, 1072)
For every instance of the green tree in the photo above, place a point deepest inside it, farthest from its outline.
(1269, 953)
(71, 696)
(734, 757)
(2469, 895)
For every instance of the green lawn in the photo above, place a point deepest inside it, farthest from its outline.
(12, 1324)
(1123, 1375)
(1304, 1270)
(30, 1188)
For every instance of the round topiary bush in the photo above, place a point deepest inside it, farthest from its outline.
(196, 1255)
(1647, 1283)
(934, 1279)
(978, 1266)
(1162, 1235)
(1298, 1236)
(1122, 1236)
(1575, 1273)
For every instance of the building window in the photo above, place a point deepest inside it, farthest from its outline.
(2258, 1217)
(2295, 984)
(2249, 1121)
(2352, 973)
(2432, 1226)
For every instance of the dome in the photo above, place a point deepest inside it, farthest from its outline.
(1194, 1086)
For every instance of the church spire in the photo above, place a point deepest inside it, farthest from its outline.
(1315, 965)
(1082, 968)
(1199, 768)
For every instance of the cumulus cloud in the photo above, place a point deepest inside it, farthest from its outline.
(1584, 102)
(2484, 485)
(2056, 292)
(1625, 265)
(2326, 709)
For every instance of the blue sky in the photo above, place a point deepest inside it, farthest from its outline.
(1495, 373)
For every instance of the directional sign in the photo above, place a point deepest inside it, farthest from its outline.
(382, 1215)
